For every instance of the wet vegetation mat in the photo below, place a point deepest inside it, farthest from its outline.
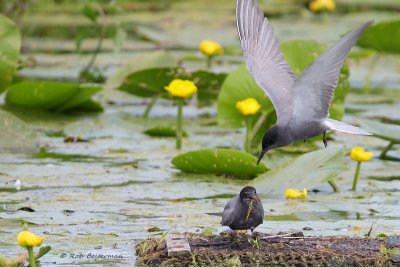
(293, 249)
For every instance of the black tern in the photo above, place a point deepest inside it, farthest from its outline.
(244, 211)
(301, 104)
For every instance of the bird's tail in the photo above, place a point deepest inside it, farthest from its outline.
(343, 127)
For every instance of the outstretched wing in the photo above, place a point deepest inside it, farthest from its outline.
(264, 58)
(313, 90)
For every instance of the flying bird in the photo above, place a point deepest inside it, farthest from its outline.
(302, 103)
(244, 211)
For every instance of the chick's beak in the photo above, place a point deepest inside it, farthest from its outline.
(254, 196)
(262, 153)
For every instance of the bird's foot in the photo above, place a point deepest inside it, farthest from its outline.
(305, 141)
(241, 232)
(324, 140)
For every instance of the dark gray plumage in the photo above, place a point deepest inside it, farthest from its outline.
(302, 104)
(235, 211)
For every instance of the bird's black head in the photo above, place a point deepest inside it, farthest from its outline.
(269, 141)
(248, 193)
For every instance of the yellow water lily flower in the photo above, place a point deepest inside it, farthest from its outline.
(359, 154)
(249, 106)
(28, 239)
(294, 193)
(181, 88)
(211, 48)
(320, 5)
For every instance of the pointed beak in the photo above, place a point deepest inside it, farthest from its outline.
(255, 197)
(262, 153)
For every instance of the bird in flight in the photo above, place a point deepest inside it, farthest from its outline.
(302, 103)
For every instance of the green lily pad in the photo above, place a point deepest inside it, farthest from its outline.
(209, 85)
(219, 161)
(9, 51)
(52, 96)
(151, 82)
(383, 37)
(305, 171)
(163, 131)
(159, 59)
(385, 131)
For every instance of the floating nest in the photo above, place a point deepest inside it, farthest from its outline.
(293, 249)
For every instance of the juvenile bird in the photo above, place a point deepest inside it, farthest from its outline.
(244, 211)
(302, 104)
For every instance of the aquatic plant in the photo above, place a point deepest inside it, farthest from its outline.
(181, 90)
(359, 154)
(248, 107)
(27, 240)
(9, 50)
(210, 49)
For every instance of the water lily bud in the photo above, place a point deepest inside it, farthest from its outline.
(181, 88)
(28, 239)
(249, 106)
(359, 154)
(211, 48)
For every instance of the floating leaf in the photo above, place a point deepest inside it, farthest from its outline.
(9, 51)
(305, 171)
(151, 82)
(163, 131)
(159, 59)
(51, 96)
(219, 161)
(209, 85)
(385, 131)
(383, 37)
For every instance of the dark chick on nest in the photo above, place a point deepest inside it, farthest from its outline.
(244, 211)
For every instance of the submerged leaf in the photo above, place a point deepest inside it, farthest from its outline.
(385, 131)
(16, 135)
(219, 161)
(305, 171)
